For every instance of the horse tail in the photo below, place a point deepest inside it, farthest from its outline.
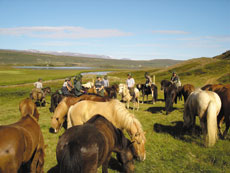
(211, 124)
(70, 159)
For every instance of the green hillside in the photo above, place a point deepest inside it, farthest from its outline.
(8, 57)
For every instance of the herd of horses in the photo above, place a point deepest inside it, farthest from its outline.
(95, 127)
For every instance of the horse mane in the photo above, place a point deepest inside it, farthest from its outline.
(125, 117)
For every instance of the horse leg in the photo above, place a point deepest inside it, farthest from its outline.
(105, 165)
(203, 125)
(227, 126)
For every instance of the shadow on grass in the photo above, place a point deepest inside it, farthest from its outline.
(178, 131)
(161, 110)
(113, 164)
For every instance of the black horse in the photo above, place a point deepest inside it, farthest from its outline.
(165, 84)
(112, 91)
(85, 147)
(170, 98)
(148, 90)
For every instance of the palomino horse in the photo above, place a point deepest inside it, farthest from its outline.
(85, 147)
(146, 90)
(116, 113)
(39, 96)
(224, 93)
(27, 106)
(62, 109)
(125, 96)
(186, 90)
(206, 105)
(22, 144)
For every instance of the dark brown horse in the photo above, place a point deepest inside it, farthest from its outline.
(39, 96)
(164, 85)
(112, 91)
(56, 98)
(224, 93)
(61, 110)
(186, 90)
(171, 97)
(86, 147)
(22, 145)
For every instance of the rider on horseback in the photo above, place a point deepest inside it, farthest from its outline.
(175, 79)
(78, 85)
(38, 86)
(67, 87)
(148, 81)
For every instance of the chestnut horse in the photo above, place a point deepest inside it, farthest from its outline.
(186, 90)
(85, 147)
(116, 113)
(206, 105)
(22, 144)
(224, 93)
(61, 110)
(27, 106)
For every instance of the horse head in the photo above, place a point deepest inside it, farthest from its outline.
(59, 117)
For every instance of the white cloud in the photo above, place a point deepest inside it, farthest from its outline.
(62, 32)
(176, 32)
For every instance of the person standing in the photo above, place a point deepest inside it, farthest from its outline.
(106, 81)
(78, 85)
(99, 86)
(131, 83)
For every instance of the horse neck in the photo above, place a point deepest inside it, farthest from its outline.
(61, 110)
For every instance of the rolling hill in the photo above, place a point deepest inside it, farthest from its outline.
(12, 57)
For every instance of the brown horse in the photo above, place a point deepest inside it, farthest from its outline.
(116, 113)
(62, 109)
(27, 106)
(22, 145)
(224, 93)
(85, 147)
(186, 91)
(39, 95)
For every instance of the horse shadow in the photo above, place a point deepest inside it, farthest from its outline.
(158, 109)
(178, 131)
(114, 164)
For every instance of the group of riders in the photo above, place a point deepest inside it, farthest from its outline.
(100, 84)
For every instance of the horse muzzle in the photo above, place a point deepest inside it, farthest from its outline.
(52, 130)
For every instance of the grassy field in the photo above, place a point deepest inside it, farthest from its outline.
(168, 148)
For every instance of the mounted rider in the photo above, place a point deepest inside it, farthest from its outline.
(148, 81)
(99, 86)
(38, 86)
(67, 87)
(175, 79)
(78, 90)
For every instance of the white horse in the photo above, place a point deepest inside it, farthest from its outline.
(206, 105)
(125, 95)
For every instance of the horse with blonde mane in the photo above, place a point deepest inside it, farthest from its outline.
(125, 96)
(116, 113)
(206, 105)
(61, 110)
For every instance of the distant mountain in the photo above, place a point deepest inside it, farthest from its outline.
(225, 55)
(41, 58)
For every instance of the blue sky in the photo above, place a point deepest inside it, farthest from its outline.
(135, 29)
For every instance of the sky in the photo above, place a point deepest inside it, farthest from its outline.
(134, 29)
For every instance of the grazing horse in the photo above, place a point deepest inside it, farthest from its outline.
(62, 109)
(38, 96)
(165, 84)
(86, 147)
(22, 144)
(27, 106)
(206, 105)
(170, 98)
(56, 98)
(116, 113)
(146, 90)
(125, 95)
(186, 90)
(224, 93)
